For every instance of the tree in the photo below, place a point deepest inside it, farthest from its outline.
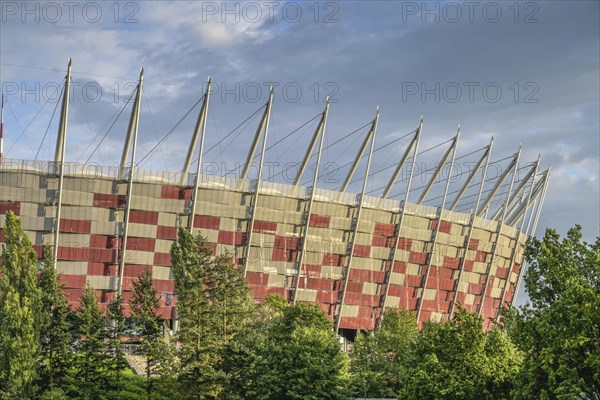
(145, 305)
(559, 328)
(56, 335)
(301, 359)
(91, 372)
(19, 312)
(458, 360)
(213, 301)
(379, 359)
(117, 330)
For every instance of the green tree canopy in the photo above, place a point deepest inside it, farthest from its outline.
(559, 330)
(301, 359)
(20, 312)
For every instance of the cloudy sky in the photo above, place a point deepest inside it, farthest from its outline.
(525, 72)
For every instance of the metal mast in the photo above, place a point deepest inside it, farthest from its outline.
(394, 177)
(461, 267)
(198, 131)
(371, 135)
(131, 128)
(311, 146)
(321, 131)
(498, 233)
(440, 215)
(133, 133)
(59, 157)
(401, 221)
(200, 127)
(264, 123)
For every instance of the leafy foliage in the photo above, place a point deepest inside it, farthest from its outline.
(379, 359)
(91, 362)
(300, 359)
(213, 303)
(20, 311)
(55, 327)
(559, 330)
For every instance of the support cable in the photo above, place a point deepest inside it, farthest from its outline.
(231, 133)
(111, 126)
(149, 154)
(48, 127)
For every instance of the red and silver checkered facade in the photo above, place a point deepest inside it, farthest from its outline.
(91, 229)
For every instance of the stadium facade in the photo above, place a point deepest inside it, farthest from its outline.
(352, 254)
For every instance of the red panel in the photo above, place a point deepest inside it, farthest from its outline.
(257, 278)
(39, 250)
(329, 297)
(384, 229)
(166, 312)
(73, 281)
(443, 273)
(207, 222)
(279, 255)
(317, 284)
(399, 267)
(175, 193)
(333, 260)
(468, 265)
(140, 244)
(285, 242)
(366, 276)
(445, 226)
(134, 270)
(355, 287)
(451, 262)
(413, 280)
(365, 312)
(319, 221)
(14, 206)
(405, 244)
(162, 259)
(75, 225)
(361, 250)
(440, 283)
(108, 200)
(473, 244)
(502, 272)
(163, 285)
(480, 256)
(382, 241)
(143, 217)
(357, 323)
(228, 237)
(166, 232)
(73, 295)
(101, 269)
(288, 255)
(100, 241)
(475, 288)
(417, 257)
(402, 291)
(241, 237)
(362, 299)
(312, 270)
(265, 227)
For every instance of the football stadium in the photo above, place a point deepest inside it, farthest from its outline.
(430, 249)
